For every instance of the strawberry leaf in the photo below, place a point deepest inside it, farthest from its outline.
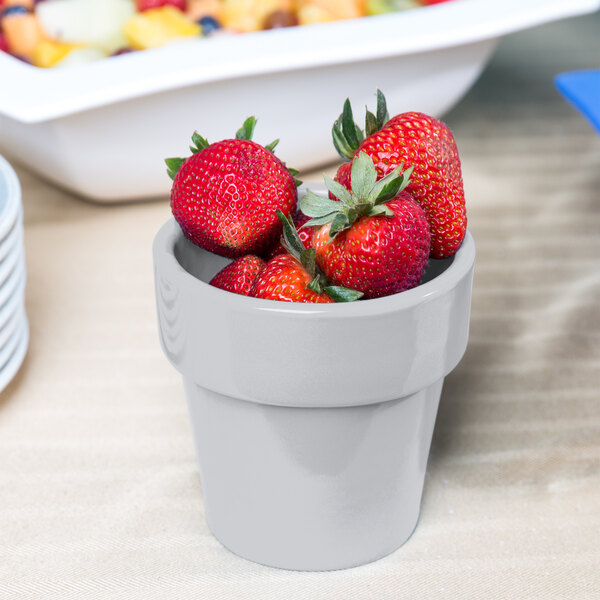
(199, 143)
(317, 206)
(347, 135)
(340, 222)
(290, 239)
(382, 112)
(350, 129)
(271, 147)
(381, 209)
(338, 190)
(295, 172)
(246, 131)
(343, 148)
(363, 175)
(341, 294)
(406, 177)
(307, 258)
(320, 220)
(371, 125)
(316, 285)
(173, 165)
(389, 186)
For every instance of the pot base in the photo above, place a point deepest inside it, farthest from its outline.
(312, 489)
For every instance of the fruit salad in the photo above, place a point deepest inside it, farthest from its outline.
(396, 202)
(60, 33)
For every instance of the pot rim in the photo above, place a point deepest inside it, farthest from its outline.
(463, 260)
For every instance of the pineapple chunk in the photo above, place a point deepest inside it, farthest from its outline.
(158, 26)
(323, 11)
(249, 15)
(47, 53)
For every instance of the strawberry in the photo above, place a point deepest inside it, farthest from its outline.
(343, 176)
(415, 140)
(225, 195)
(376, 239)
(294, 277)
(143, 5)
(239, 275)
(284, 278)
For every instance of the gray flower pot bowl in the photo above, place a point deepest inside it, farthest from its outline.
(312, 423)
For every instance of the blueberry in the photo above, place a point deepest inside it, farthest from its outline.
(209, 24)
(14, 10)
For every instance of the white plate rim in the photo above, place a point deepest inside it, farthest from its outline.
(9, 286)
(11, 344)
(12, 237)
(13, 300)
(11, 211)
(14, 362)
(10, 325)
(10, 260)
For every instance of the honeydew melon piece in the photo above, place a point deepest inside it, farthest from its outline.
(381, 7)
(80, 56)
(90, 22)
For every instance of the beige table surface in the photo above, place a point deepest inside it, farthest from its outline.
(99, 495)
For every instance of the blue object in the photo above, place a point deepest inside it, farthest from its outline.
(14, 10)
(209, 25)
(582, 89)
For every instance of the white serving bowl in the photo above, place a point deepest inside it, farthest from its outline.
(312, 423)
(103, 129)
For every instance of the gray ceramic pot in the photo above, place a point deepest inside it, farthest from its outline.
(312, 423)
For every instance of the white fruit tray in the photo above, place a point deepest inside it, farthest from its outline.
(102, 130)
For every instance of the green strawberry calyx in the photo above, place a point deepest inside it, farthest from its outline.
(306, 256)
(367, 199)
(199, 143)
(347, 135)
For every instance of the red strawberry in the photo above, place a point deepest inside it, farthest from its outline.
(284, 278)
(305, 234)
(415, 140)
(143, 5)
(342, 176)
(376, 240)
(294, 277)
(239, 276)
(225, 195)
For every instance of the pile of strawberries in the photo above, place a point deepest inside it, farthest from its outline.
(396, 201)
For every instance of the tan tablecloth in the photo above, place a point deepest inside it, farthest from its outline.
(99, 495)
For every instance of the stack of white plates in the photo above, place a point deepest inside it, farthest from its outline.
(14, 329)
